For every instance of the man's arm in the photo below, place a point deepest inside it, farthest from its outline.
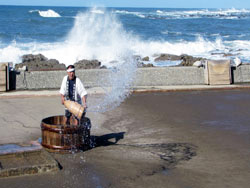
(84, 101)
(62, 99)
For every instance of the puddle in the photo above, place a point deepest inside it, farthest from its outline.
(16, 148)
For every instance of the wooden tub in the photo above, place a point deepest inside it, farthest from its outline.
(59, 137)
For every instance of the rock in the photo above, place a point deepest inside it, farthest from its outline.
(88, 64)
(39, 63)
(228, 54)
(147, 65)
(168, 57)
(144, 65)
(189, 60)
(103, 67)
(237, 62)
(197, 63)
(33, 58)
(145, 59)
(224, 54)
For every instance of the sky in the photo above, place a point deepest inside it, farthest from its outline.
(135, 3)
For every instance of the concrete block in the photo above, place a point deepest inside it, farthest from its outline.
(241, 74)
(218, 72)
(26, 163)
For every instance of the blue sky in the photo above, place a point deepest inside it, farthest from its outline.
(136, 3)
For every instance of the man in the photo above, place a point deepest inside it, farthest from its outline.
(72, 89)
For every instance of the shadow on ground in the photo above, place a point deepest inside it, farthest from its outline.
(105, 140)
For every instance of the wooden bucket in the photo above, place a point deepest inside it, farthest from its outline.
(75, 108)
(58, 137)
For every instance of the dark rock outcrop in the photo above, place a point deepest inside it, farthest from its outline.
(38, 63)
(225, 54)
(88, 64)
(189, 60)
(143, 65)
(147, 65)
(33, 58)
(168, 57)
(186, 60)
(145, 59)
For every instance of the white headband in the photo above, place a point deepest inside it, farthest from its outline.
(71, 70)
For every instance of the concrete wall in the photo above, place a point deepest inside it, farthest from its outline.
(161, 76)
(241, 74)
(169, 76)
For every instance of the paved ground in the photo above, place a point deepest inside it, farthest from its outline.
(163, 139)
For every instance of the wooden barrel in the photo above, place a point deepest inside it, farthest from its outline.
(59, 137)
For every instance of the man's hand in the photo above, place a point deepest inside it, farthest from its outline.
(84, 105)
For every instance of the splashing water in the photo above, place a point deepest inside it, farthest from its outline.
(102, 36)
(93, 36)
(118, 84)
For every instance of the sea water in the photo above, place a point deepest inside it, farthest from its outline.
(69, 34)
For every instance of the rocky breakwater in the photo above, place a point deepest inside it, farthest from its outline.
(39, 62)
(186, 60)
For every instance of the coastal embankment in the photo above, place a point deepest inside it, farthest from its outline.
(152, 76)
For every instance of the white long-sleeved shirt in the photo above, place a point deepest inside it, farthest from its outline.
(80, 91)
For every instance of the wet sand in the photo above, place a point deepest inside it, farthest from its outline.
(176, 139)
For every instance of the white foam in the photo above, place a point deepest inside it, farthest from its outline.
(11, 53)
(31, 11)
(131, 13)
(159, 12)
(97, 11)
(49, 13)
(211, 13)
(171, 33)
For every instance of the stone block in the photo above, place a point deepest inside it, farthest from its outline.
(218, 72)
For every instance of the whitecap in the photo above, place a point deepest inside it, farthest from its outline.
(165, 32)
(97, 11)
(131, 13)
(159, 12)
(49, 13)
(209, 13)
(31, 11)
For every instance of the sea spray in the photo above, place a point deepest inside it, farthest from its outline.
(93, 36)
(117, 86)
(98, 34)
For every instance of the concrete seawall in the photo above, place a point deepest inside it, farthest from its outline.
(156, 76)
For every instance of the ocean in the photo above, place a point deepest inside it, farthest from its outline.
(70, 34)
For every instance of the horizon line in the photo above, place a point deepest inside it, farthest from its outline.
(120, 7)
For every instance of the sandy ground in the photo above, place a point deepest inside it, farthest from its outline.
(175, 139)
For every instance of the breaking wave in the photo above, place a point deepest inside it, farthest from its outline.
(191, 14)
(48, 13)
